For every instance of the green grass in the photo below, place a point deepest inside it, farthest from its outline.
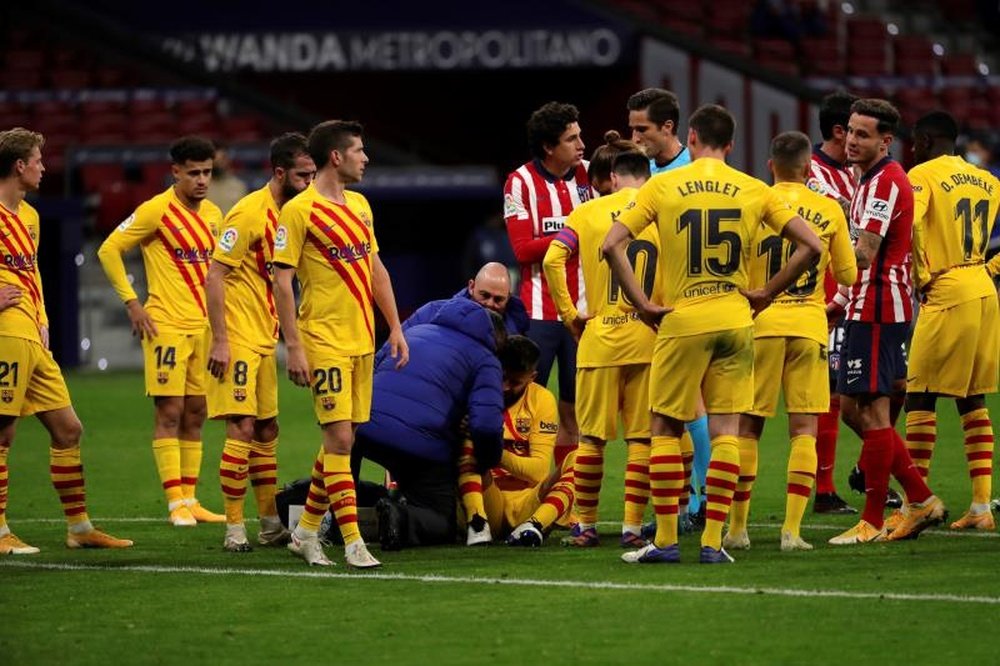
(133, 606)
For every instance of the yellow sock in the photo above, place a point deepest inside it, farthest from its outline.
(190, 467)
(167, 453)
(559, 499)
(739, 514)
(317, 502)
(666, 478)
(687, 458)
(4, 450)
(263, 474)
(636, 483)
(802, 463)
(66, 472)
(720, 484)
(341, 493)
(588, 471)
(233, 478)
(470, 484)
(979, 453)
(921, 433)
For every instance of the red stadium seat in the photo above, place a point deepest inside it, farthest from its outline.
(734, 46)
(197, 123)
(196, 107)
(777, 49)
(69, 79)
(23, 59)
(143, 127)
(959, 64)
(916, 67)
(93, 177)
(114, 205)
(155, 175)
(867, 66)
(57, 123)
(822, 57)
(21, 79)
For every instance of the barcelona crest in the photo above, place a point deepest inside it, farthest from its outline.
(162, 377)
(523, 425)
(328, 403)
(7, 395)
(239, 394)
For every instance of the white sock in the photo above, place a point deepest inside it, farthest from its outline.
(634, 529)
(979, 508)
(81, 528)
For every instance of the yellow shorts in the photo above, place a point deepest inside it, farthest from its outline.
(176, 363)
(341, 385)
(30, 379)
(797, 366)
(249, 388)
(603, 393)
(717, 366)
(956, 352)
(506, 509)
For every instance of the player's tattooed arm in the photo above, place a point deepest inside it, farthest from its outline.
(866, 248)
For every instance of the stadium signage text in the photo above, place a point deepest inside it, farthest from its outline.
(388, 51)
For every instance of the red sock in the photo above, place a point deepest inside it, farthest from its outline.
(906, 472)
(876, 461)
(826, 447)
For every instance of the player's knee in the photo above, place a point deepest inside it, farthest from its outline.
(67, 435)
(266, 431)
(194, 414)
(241, 429)
(970, 404)
(168, 414)
(920, 402)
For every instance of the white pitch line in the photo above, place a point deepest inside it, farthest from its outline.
(517, 582)
(603, 523)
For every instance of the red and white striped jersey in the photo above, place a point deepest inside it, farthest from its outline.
(883, 205)
(535, 207)
(835, 180)
(833, 174)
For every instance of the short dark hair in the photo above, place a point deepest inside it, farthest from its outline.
(520, 354)
(660, 105)
(937, 125)
(331, 135)
(191, 148)
(790, 153)
(499, 329)
(714, 125)
(17, 144)
(632, 162)
(881, 110)
(835, 109)
(547, 124)
(285, 148)
(602, 160)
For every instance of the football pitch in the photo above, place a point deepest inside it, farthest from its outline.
(177, 597)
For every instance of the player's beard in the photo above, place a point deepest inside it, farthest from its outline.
(509, 398)
(288, 190)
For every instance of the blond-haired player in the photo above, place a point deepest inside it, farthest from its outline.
(176, 232)
(790, 338)
(706, 214)
(30, 380)
(615, 347)
(243, 388)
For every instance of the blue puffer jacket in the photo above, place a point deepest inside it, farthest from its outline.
(453, 371)
(515, 316)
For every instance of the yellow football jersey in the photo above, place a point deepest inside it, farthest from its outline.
(954, 206)
(529, 438)
(800, 311)
(706, 214)
(613, 337)
(246, 244)
(331, 246)
(177, 245)
(19, 243)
